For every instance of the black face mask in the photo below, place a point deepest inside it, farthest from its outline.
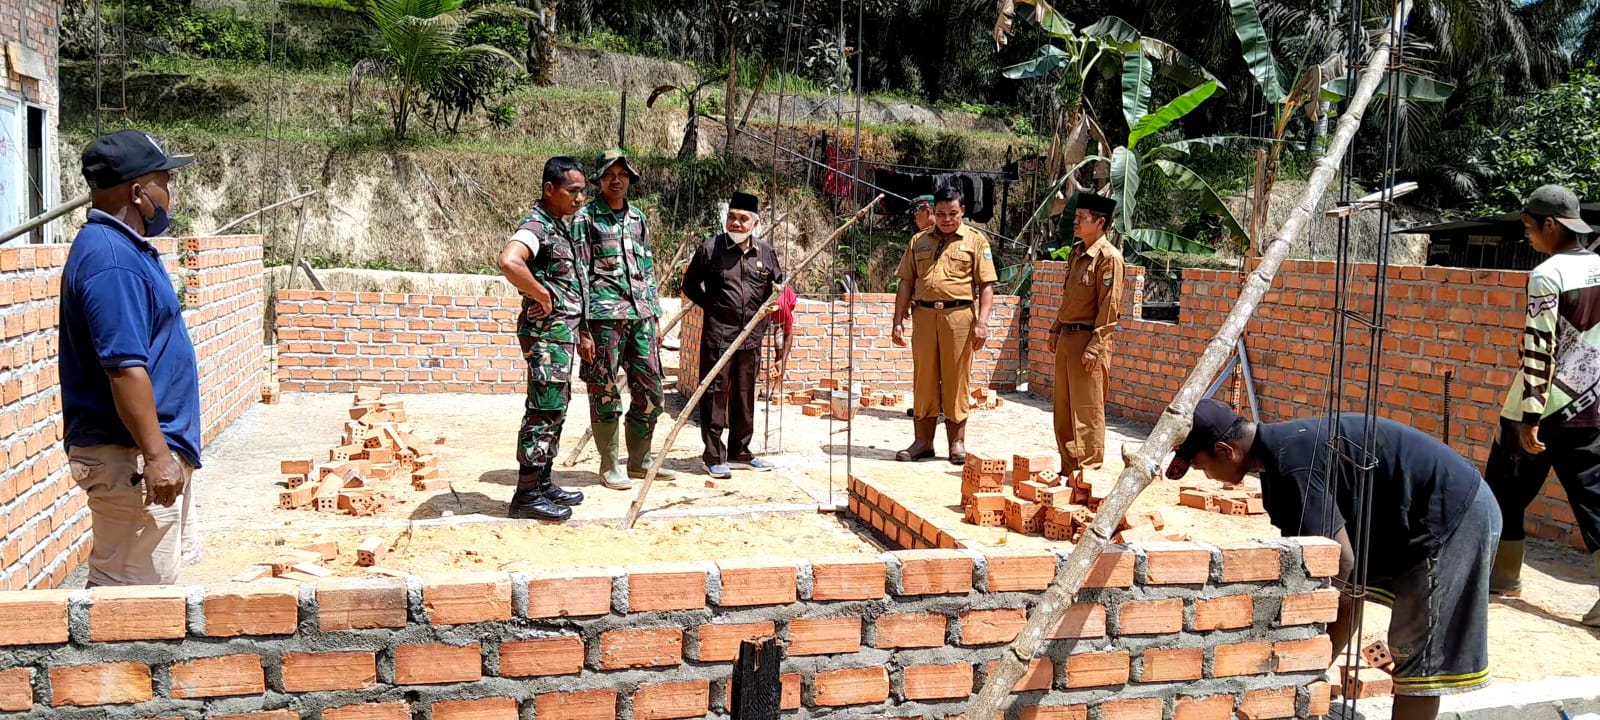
(156, 225)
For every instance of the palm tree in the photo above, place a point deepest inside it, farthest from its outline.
(423, 39)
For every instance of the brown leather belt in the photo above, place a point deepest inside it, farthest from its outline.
(1077, 327)
(944, 304)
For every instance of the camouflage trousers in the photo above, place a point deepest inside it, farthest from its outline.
(549, 392)
(628, 345)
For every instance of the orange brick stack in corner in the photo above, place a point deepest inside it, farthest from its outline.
(903, 634)
(1044, 502)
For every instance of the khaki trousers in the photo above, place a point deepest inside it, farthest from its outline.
(1079, 403)
(941, 351)
(134, 544)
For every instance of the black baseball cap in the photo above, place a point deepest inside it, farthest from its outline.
(114, 159)
(1213, 421)
(1560, 204)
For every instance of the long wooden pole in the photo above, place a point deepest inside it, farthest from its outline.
(1174, 424)
(749, 327)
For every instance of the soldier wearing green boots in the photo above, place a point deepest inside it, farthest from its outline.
(620, 323)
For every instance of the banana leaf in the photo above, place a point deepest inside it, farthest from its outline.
(1180, 106)
(1191, 181)
(1136, 77)
(1114, 31)
(1124, 186)
(1163, 241)
(1182, 147)
(1172, 63)
(1049, 58)
(1257, 49)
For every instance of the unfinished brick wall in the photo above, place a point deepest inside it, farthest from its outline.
(878, 362)
(1464, 323)
(44, 517)
(334, 341)
(1176, 630)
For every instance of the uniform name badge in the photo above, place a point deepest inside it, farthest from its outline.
(1087, 279)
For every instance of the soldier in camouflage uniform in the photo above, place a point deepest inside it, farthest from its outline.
(545, 263)
(620, 322)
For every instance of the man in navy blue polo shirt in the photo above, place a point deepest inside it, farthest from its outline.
(130, 389)
(1430, 529)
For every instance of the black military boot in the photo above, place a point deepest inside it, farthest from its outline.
(529, 502)
(558, 495)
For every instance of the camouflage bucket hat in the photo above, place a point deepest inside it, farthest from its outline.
(921, 202)
(605, 160)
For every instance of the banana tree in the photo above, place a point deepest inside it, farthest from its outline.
(1071, 64)
(1072, 57)
(1129, 162)
(1316, 88)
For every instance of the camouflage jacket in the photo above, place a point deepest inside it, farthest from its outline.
(622, 280)
(559, 267)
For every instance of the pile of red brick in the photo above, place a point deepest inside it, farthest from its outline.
(983, 398)
(1043, 501)
(817, 401)
(1244, 500)
(308, 562)
(1372, 675)
(377, 446)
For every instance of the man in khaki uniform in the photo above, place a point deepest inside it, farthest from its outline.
(1081, 335)
(945, 270)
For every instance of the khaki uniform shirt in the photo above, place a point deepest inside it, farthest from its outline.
(1093, 294)
(944, 266)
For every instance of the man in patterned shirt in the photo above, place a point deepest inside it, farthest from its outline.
(1551, 419)
(547, 267)
(620, 322)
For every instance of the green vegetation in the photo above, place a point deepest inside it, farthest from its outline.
(1554, 138)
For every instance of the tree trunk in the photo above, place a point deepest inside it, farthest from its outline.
(541, 57)
(722, 362)
(730, 96)
(1175, 422)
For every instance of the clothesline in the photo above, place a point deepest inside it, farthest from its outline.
(885, 191)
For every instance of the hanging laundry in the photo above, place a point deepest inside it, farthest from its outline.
(836, 179)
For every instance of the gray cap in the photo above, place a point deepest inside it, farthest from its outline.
(1559, 203)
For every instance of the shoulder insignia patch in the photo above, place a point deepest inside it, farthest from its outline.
(987, 255)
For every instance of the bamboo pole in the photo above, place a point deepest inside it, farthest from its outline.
(1175, 422)
(722, 362)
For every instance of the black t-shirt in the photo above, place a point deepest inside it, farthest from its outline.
(1420, 488)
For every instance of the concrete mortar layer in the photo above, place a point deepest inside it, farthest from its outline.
(161, 655)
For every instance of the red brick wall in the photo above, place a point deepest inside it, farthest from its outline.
(901, 634)
(1439, 320)
(878, 361)
(44, 517)
(333, 341)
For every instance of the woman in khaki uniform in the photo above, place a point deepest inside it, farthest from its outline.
(1081, 335)
(946, 270)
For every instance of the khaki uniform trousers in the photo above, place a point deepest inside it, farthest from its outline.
(134, 544)
(1079, 403)
(941, 349)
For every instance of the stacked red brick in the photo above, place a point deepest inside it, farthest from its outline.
(1043, 502)
(1244, 500)
(817, 401)
(377, 446)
